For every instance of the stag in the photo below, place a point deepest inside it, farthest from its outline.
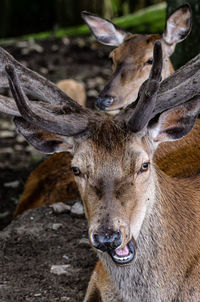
(132, 61)
(143, 224)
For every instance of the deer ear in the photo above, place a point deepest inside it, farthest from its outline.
(42, 140)
(175, 123)
(178, 25)
(105, 31)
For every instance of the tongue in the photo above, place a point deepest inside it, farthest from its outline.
(122, 252)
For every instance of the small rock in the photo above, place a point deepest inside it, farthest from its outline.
(54, 47)
(66, 41)
(7, 125)
(80, 42)
(37, 295)
(64, 299)
(13, 184)
(32, 46)
(84, 242)
(92, 93)
(6, 150)
(44, 70)
(91, 83)
(18, 148)
(6, 133)
(77, 209)
(60, 269)
(60, 207)
(4, 214)
(20, 139)
(99, 81)
(56, 226)
(65, 257)
(22, 44)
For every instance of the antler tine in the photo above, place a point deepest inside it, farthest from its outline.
(155, 73)
(63, 120)
(147, 93)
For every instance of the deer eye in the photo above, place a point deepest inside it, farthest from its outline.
(149, 61)
(144, 167)
(76, 171)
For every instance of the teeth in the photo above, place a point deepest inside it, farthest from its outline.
(122, 258)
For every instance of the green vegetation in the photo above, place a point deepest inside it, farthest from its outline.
(150, 20)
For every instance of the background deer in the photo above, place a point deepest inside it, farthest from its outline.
(132, 60)
(144, 225)
(74, 89)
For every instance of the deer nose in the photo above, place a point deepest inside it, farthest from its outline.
(107, 241)
(104, 102)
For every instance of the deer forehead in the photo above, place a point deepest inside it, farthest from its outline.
(116, 159)
(135, 49)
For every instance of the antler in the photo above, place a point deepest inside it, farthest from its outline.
(33, 83)
(8, 106)
(68, 118)
(148, 93)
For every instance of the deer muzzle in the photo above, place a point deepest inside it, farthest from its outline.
(111, 242)
(106, 241)
(105, 102)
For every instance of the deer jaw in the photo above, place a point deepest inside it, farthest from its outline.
(116, 193)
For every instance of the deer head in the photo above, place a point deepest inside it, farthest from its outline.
(112, 157)
(133, 57)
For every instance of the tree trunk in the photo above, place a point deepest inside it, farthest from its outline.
(189, 48)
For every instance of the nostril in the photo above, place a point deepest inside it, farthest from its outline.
(117, 239)
(103, 102)
(106, 241)
(99, 103)
(118, 235)
(95, 239)
(108, 101)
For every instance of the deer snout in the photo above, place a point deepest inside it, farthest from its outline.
(104, 102)
(106, 241)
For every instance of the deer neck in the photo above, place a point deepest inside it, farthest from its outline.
(162, 243)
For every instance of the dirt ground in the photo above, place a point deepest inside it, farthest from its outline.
(31, 244)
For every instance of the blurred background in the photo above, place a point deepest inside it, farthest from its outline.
(58, 18)
(25, 17)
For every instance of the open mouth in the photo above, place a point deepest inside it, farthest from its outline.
(124, 255)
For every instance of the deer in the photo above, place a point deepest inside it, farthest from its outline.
(74, 89)
(40, 187)
(143, 224)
